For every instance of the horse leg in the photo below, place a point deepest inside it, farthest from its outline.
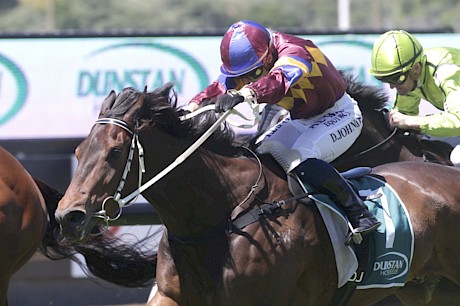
(4, 284)
(417, 292)
(159, 299)
(153, 291)
(432, 291)
(165, 268)
(369, 296)
(445, 293)
(156, 298)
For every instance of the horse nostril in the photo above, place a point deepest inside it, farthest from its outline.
(73, 218)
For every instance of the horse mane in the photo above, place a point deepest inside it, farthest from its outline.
(160, 109)
(375, 97)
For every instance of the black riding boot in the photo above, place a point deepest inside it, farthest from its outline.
(325, 178)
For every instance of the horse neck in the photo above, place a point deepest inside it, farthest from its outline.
(389, 148)
(200, 193)
(398, 147)
(377, 145)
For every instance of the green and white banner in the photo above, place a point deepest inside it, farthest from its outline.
(53, 87)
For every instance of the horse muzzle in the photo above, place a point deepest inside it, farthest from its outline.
(75, 225)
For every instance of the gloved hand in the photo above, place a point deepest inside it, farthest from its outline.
(183, 112)
(228, 101)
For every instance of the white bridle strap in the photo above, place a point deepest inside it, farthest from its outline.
(117, 122)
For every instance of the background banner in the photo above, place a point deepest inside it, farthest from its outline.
(53, 87)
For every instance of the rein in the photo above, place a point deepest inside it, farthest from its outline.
(384, 111)
(360, 154)
(254, 107)
(122, 202)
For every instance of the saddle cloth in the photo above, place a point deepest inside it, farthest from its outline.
(390, 246)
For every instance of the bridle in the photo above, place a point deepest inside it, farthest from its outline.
(117, 196)
(135, 143)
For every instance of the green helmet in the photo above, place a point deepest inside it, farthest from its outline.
(395, 52)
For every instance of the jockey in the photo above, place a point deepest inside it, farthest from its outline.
(265, 66)
(432, 74)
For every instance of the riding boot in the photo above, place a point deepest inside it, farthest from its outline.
(325, 178)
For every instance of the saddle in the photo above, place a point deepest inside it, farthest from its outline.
(263, 211)
(382, 259)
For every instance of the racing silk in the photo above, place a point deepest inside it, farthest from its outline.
(302, 80)
(439, 84)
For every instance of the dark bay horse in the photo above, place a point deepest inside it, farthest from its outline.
(283, 259)
(27, 223)
(378, 143)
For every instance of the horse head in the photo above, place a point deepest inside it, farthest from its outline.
(111, 160)
(102, 156)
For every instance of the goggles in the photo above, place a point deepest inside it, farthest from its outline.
(253, 74)
(395, 79)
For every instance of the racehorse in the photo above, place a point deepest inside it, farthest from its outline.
(378, 143)
(285, 258)
(27, 222)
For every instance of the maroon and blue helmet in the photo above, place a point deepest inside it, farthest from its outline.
(243, 48)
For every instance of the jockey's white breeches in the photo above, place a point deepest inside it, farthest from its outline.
(325, 136)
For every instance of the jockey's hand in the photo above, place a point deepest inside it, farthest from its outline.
(183, 112)
(402, 121)
(191, 107)
(228, 101)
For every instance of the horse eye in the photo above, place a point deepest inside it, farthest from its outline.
(114, 153)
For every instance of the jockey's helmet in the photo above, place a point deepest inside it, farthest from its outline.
(393, 55)
(244, 47)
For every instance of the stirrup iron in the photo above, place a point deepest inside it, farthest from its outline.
(353, 236)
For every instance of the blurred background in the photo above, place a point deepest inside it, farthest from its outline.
(60, 58)
(161, 15)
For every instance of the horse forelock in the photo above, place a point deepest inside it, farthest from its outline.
(123, 102)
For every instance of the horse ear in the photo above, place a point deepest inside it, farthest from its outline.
(134, 110)
(108, 103)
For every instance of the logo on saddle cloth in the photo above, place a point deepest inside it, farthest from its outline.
(390, 247)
